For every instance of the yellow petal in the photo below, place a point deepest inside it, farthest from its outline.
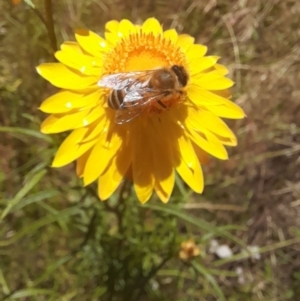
(112, 177)
(111, 38)
(202, 97)
(202, 156)
(151, 25)
(185, 42)
(60, 102)
(107, 185)
(94, 114)
(112, 26)
(97, 128)
(62, 77)
(61, 123)
(222, 70)
(198, 65)
(163, 195)
(193, 177)
(201, 119)
(104, 150)
(111, 32)
(187, 151)
(91, 42)
(162, 169)
(80, 163)
(171, 34)
(230, 141)
(71, 149)
(196, 51)
(142, 163)
(164, 180)
(84, 64)
(216, 104)
(66, 100)
(71, 47)
(212, 81)
(208, 142)
(227, 110)
(223, 93)
(126, 28)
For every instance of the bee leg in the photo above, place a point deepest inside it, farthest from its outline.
(162, 104)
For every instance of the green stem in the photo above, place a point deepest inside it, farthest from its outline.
(50, 24)
(146, 280)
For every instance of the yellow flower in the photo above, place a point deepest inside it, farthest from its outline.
(15, 2)
(150, 148)
(189, 250)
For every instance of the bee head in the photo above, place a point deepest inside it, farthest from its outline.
(181, 74)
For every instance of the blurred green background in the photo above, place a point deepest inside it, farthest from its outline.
(58, 242)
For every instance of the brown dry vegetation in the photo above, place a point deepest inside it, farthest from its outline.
(258, 188)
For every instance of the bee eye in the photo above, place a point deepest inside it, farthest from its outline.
(181, 74)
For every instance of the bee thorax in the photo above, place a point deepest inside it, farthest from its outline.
(163, 79)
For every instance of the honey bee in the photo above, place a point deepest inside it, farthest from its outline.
(136, 92)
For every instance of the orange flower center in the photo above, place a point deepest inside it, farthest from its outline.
(141, 51)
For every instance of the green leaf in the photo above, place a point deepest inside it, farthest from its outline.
(31, 292)
(36, 169)
(4, 284)
(52, 210)
(21, 193)
(35, 198)
(184, 192)
(177, 211)
(28, 132)
(41, 223)
(30, 3)
(175, 273)
(247, 254)
(207, 275)
(51, 268)
(100, 291)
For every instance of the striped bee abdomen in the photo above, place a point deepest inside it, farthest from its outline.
(116, 98)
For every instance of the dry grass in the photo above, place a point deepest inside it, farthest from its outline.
(258, 188)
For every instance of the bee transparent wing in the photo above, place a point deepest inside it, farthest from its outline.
(124, 115)
(131, 110)
(126, 80)
(133, 97)
(118, 81)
